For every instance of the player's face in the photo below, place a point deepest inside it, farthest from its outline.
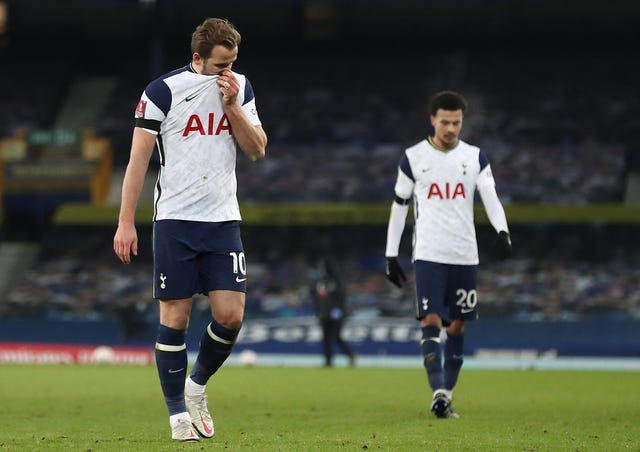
(447, 125)
(220, 59)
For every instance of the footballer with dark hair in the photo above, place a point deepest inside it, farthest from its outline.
(440, 175)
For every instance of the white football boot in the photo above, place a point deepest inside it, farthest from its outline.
(182, 430)
(197, 406)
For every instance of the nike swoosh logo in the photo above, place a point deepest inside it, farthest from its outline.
(175, 371)
(238, 279)
(188, 99)
(465, 311)
(206, 427)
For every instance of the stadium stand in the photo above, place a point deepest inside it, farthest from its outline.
(557, 128)
(553, 276)
(345, 148)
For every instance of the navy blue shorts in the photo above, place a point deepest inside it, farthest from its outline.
(191, 257)
(446, 290)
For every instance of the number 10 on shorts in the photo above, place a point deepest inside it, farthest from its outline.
(239, 262)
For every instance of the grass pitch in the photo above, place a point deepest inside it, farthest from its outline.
(118, 408)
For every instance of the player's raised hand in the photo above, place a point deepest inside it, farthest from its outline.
(394, 272)
(125, 242)
(503, 245)
(229, 87)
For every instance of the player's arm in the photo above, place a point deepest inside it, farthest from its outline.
(495, 210)
(125, 240)
(397, 222)
(251, 138)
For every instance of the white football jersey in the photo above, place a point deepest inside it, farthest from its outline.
(197, 179)
(443, 184)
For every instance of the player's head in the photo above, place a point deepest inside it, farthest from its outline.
(214, 45)
(446, 111)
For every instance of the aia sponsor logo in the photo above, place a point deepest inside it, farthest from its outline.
(446, 191)
(210, 126)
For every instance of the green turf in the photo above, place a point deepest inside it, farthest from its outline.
(105, 408)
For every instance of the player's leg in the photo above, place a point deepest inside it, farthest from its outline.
(462, 299)
(327, 339)
(171, 362)
(431, 326)
(215, 347)
(453, 354)
(220, 335)
(174, 270)
(223, 276)
(430, 287)
(344, 345)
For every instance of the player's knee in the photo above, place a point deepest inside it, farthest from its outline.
(230, 320)
(456, 328)
(431, 320)
(175, 313)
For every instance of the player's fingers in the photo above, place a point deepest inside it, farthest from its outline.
(228, 82)
(122, 253)
(117, 248)
(233, 83)
(227, 75)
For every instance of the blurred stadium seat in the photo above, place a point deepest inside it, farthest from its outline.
(340, 98)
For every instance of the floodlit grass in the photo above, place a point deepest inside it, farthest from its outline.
(117, 408)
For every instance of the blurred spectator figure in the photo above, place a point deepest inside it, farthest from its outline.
(330, 300)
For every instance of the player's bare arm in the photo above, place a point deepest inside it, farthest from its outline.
(125, 240)
(251, 139)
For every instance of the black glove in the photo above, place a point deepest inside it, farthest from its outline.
(394, 272)
(503, 245)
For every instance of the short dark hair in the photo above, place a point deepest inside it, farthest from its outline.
(213, 32)
(447, 100)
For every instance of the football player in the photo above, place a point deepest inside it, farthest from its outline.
(197, 116)
(440, 175)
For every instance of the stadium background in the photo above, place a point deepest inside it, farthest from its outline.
(341, 89)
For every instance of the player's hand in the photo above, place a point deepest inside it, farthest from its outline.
(503, 245)
(229, 87)
(394, 272)
(125, 242)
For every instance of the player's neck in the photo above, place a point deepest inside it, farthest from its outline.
(441, 146)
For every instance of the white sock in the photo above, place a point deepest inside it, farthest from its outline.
(173, 419)
(193, 389)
